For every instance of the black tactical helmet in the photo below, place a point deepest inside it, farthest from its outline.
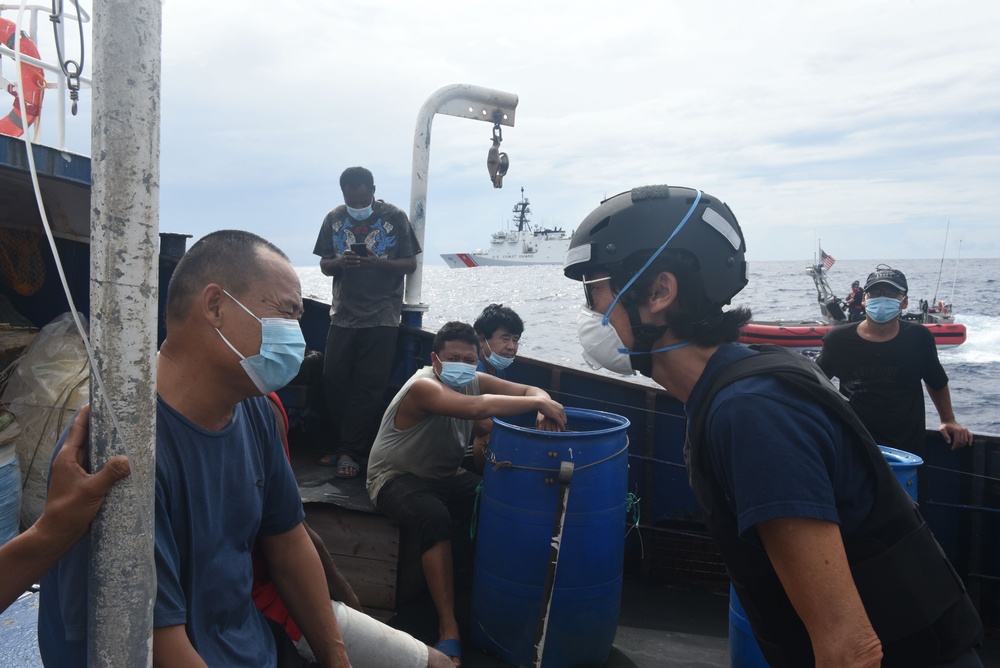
(641, 220)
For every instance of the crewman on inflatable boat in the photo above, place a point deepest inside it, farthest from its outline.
(855, 307)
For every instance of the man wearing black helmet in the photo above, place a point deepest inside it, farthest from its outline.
(881, 362)
(829, 556)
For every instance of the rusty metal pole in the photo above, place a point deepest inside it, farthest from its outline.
(123, 314)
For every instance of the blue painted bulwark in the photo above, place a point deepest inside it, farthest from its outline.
(49, 162)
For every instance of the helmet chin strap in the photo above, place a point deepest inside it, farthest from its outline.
(645, 336)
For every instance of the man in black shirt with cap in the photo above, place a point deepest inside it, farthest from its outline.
(881, 362)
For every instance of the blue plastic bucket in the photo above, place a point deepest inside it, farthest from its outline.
(744, 652)
(517, 511)
(10, 493)
(904, 467)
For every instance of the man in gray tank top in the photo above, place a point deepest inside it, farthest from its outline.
(415, 472)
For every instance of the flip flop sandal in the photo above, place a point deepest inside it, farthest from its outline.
(450, 647)
(345, 462)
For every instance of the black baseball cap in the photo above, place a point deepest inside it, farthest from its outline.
(886, 274)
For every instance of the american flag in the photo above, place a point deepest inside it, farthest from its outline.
(828, 260)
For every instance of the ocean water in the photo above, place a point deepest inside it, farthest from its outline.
(548, 303)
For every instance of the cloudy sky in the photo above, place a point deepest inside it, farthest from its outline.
(871, 125)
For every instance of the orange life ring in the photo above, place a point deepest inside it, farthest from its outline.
(32, 78)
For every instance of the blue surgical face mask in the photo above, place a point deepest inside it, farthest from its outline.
(362, 214)
(282, 349)
(457, 375)
(498, 362)
(882, 309)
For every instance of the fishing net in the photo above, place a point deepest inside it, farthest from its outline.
(21, 262)
(46, 386)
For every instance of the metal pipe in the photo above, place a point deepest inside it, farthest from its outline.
(548, 587)
(123, 295)
(61, 88)
(37, 62)
(463, 101)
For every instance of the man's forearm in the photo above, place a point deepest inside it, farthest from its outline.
(809, 558)
(399, 265)
(501, 405)
(954, 434)
(533, 391)
(298, 574)
(173, 649)
(330, 266)
(23, 560)
(941, 399)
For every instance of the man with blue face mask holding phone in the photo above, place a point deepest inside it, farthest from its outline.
(881, 362)
(415, 473)
(366, 246)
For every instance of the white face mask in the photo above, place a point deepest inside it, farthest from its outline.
(602, 347)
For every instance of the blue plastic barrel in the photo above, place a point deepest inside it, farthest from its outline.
(744, 652)
(10, 493)
(517, 511)
(904, 467)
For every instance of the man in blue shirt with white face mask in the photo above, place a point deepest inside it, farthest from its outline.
(881, 362)
(415, 474)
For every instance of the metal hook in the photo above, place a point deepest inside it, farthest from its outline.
(497, 163)
(501, 171)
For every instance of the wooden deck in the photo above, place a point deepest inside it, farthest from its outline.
(381, 561)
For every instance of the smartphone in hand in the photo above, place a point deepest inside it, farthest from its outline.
(359, 249)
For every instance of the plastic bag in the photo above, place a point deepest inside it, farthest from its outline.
(48, 384)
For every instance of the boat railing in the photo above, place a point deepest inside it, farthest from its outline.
(61, 84)
(825, 297)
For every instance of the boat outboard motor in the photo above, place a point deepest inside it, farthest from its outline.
(835, 310)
